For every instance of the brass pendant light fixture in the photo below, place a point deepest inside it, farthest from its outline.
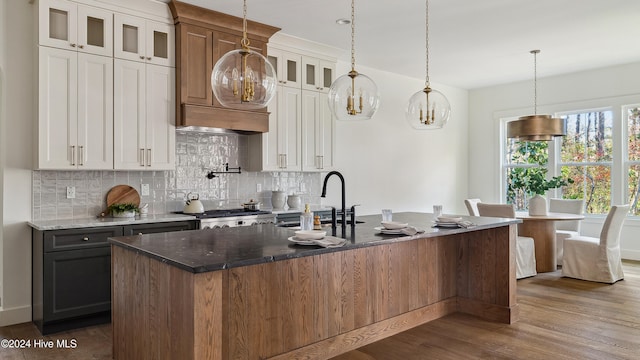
(243, 79)
(536, 127)
(428, 108)
(353, 96)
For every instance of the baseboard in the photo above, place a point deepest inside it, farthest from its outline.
(17, 315)
(630, 254)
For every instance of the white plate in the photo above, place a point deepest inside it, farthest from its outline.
(310, 234)
(447, 225)
(388, 231)
(295, 240)
(394, 225)
(448, 219)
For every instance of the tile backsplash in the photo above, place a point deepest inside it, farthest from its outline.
(196, 155)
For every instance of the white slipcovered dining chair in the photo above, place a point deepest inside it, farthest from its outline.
(525, 246)
(597, 259)
(566, 229)
(472, 206)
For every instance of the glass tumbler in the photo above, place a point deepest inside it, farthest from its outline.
(387, 215)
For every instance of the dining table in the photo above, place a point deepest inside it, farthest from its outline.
(542, 228)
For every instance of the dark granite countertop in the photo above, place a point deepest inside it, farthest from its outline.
(216, 249)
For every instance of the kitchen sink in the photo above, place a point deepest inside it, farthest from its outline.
(324, 223)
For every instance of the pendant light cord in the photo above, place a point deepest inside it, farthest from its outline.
(245, 40)
(535, 82)
(353, 35)
(426, 85)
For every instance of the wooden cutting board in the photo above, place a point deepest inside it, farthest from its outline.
(123, 194)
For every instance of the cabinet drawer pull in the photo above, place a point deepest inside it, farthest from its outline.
(149, 157)
(73, 155)
(86, 238)
(81, 155)
(141, 157)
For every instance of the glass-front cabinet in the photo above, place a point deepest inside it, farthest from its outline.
(317, 74)
(143, 40)
(71, 26)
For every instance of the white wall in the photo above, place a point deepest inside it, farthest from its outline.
(388, 164)
(559, 93)
(17, 114)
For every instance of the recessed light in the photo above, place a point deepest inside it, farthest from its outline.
(343, 21)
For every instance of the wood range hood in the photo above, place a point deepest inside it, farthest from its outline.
(202, 37)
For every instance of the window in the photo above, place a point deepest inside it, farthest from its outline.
(632, 163)
(590, 155)
(523, 159)
(586, 156)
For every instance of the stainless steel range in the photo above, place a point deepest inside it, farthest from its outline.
(222, 218)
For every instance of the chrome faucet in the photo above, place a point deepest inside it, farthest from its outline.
(333, 212)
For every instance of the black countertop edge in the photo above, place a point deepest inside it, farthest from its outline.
(199, 251)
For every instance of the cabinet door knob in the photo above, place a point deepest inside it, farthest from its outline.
(81, 46)
(73, 45)
(141, 57)
(148, 58)
(86, 238)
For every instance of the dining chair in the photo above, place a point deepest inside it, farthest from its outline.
(472, 206)
(525, 246)
(566, 229)
(593, 258)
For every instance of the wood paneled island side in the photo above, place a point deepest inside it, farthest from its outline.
(248, 293)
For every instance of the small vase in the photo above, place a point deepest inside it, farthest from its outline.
(278, 199)
(294, 202)
(538, 205)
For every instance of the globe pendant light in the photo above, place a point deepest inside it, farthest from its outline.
(353, 96)
(243, 79)
(536, 127)
(428, 108)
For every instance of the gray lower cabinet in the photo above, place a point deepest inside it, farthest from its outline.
(71, 277)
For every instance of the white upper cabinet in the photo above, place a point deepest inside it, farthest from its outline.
(317, 74)
(318, 134)
(301, 126)
(287, 66)
(143, 40)
(144, 121)
(75, 118)
(71, 26)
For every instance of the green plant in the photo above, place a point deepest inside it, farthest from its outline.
(124, 207)
(534, 181)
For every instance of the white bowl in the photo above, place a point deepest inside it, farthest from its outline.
(394, 225)
(310, 234)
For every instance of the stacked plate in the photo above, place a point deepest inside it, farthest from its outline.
(448, 221)
(392, 227)
(316, 238)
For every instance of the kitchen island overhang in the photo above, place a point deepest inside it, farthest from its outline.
(249, 293)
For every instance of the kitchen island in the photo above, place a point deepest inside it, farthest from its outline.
(248, 293)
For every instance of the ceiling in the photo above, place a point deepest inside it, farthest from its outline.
(472, 43)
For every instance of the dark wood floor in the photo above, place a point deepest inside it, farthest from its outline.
(560, 318)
